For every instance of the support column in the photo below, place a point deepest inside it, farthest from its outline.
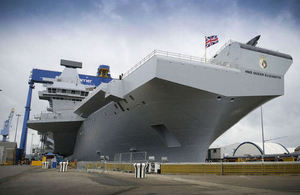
(26, 117)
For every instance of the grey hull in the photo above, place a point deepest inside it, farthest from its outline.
(175, 106)
(164, 119)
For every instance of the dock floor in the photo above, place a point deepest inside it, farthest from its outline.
(34, 180)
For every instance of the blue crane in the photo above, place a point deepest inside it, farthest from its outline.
(7, 125)
(38, 75)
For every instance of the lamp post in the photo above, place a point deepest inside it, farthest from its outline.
(18, 115)
(31, 142)
(262, 133)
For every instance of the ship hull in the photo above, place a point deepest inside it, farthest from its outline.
(164, 119)
(172, 105)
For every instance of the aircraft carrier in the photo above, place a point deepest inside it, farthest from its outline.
(169, 105)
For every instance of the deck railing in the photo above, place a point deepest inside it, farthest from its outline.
(174, 55)
(225, 45)
(165, 53)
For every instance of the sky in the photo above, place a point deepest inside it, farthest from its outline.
(37, 34)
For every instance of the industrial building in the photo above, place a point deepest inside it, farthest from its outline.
(216, 154)
(252, 151)
(256, 149)
(8, 153)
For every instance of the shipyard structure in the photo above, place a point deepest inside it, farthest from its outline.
(168, 105)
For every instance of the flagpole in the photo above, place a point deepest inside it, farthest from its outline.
(205, 49)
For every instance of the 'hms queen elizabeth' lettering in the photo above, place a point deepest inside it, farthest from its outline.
(262, 74)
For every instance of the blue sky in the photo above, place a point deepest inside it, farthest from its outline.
(143, 13)
(131, 8)
(120, 33)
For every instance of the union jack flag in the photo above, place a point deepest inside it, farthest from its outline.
(211, 40)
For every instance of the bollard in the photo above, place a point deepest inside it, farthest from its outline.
(137, 170)
(140, 170)
(143, 170)
(60, 167)
(66, 168)
(64, 164)
(45, 165)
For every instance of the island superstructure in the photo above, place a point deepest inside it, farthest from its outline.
(169, 105)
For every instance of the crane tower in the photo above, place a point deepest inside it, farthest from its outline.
(7, 124)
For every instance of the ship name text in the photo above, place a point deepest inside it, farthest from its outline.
(262, 74)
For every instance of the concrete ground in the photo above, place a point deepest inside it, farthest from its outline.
(30, 180)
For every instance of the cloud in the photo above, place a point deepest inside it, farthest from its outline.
(120, 33)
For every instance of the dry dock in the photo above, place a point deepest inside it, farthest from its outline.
(34, 180)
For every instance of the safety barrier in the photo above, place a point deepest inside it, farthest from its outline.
(72, 165)
(8, 163)
(110, 166)
(253, 168)
(36, 163)
(242, 168)
(88, 165)
(213, 168)
(263, 168)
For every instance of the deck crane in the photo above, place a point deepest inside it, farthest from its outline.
(7, 125)
(38, 75)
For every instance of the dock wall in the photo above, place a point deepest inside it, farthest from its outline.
(233, 168)
(253, 168)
